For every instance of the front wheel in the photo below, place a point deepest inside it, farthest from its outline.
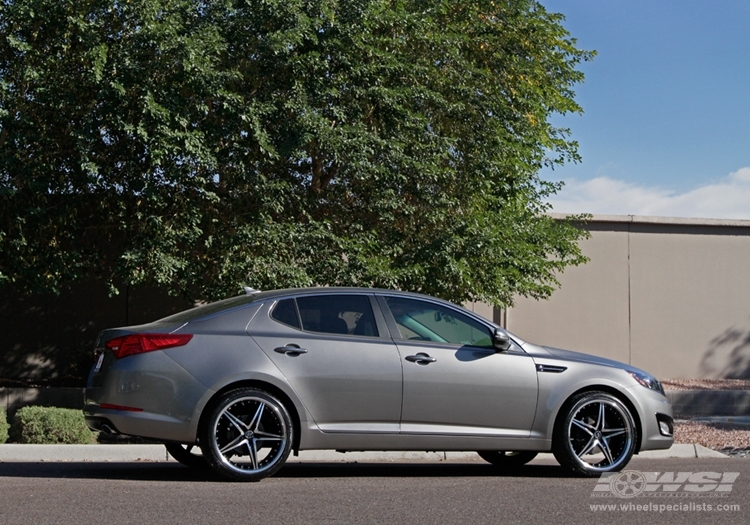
(248, 435)
(595, 435)
(504, 459)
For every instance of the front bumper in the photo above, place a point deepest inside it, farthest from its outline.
(654, 409)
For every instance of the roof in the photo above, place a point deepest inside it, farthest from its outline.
(270, 294)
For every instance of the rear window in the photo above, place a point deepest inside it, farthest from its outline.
(208, 309)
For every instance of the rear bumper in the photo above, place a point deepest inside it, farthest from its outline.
(147, 395)
(149, 425)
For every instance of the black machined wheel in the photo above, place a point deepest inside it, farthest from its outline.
(595, 435)
(189, 455)
(507, 459)
(248, 435)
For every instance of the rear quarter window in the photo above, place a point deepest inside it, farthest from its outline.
(285, 312)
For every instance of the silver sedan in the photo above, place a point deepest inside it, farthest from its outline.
(238, 384)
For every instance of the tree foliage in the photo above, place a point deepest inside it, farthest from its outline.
(206, 145)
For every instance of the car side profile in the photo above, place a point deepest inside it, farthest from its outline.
(239, 384)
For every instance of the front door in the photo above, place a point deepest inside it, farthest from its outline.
(455, 382)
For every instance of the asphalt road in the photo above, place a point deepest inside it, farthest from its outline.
(351, 493)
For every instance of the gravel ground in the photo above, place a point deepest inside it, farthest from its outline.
(728, 438)
(706, 384)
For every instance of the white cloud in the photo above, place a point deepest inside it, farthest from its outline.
(728, 198)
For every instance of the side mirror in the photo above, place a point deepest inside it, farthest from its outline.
(500, 340)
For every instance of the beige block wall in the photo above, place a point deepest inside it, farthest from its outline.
(483, 309)
(690, 293)
(589, 313)
(671, 296)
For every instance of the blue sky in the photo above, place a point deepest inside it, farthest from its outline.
(666, 123)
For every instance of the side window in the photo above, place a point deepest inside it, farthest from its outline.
(285, 312)
(337, 314)
(423, 321)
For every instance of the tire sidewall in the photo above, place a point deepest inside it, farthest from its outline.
(561, 447)
(210, 448)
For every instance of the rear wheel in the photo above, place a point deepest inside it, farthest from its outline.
(248, 435)
(505, 459)
(595, 435)
(189, 455)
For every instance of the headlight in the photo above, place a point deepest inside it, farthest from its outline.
(648, 381)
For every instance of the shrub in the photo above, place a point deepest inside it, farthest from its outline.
(3, 426)
(50, 425)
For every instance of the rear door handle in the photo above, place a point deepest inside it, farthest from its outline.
(290, 349)
(421, 358)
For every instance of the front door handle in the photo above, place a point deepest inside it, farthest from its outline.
(421, 358)
(290, 349)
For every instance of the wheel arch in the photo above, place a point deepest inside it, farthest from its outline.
(265, 386)
(562, 412)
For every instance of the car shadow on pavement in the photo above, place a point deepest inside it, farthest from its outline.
(415, 469)
(140, 471)
(166, 472)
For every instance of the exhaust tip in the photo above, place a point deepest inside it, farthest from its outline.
(109, 430)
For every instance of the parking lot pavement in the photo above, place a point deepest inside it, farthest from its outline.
(128, 453)
(349, 493)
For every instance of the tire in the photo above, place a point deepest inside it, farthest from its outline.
(503, 459)
(596, 434)
(188, 455)
(248, 435)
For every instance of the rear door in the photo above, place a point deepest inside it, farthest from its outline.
(336, 354)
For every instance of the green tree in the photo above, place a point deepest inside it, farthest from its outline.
(206, 145)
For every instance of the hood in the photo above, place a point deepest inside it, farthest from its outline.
(569, 355)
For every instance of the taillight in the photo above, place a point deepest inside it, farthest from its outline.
(140, 343)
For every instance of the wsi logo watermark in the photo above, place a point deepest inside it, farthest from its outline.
(634, 483)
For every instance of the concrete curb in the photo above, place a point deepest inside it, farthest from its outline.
(13, 453)
(82, 453)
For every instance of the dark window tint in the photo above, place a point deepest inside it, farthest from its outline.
(337, 314)
(285, 312)
(423, 321)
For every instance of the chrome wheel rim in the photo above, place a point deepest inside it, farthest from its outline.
(600, 435)
(250, 435)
